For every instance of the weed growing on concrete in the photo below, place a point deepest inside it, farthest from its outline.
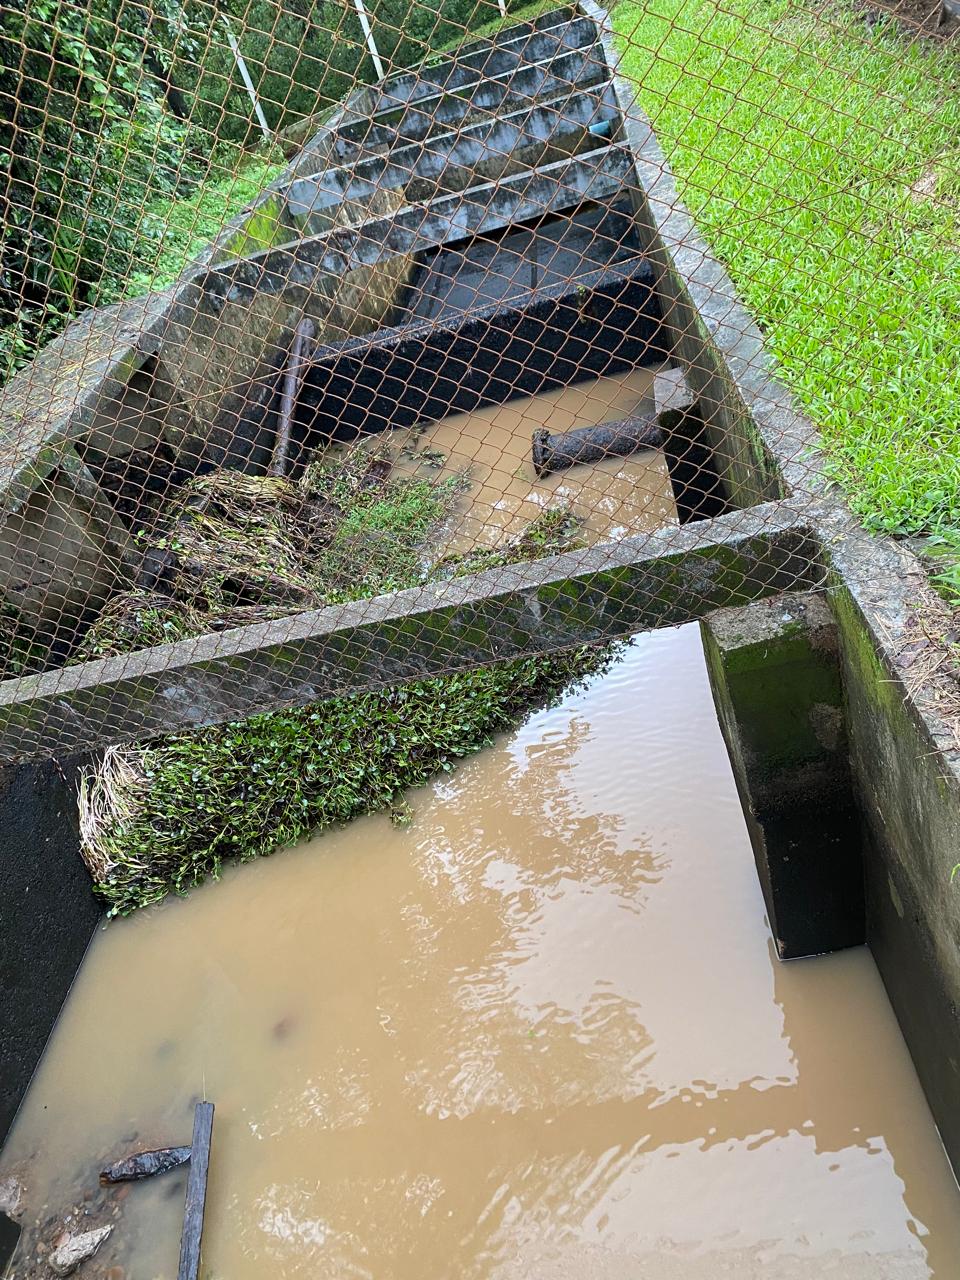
(172, 232)
(169, 815)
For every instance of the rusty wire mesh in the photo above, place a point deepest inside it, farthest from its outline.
(301, 302)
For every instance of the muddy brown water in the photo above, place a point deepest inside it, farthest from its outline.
(491, 446)
(538, 1033)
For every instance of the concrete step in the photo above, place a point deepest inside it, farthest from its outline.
(503, 271)
(440, 113)
(565, 184)
(487, 151)
(507, 55)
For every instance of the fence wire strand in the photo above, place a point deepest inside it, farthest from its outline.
(317, 380)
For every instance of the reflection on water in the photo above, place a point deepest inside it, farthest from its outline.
(539, 1033)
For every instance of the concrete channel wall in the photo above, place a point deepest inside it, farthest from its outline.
(874, 769)
(48, 915)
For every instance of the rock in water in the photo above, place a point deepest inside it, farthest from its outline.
(77, 1249)
(11, 1197)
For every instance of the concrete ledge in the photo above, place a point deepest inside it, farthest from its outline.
(552, 188)
(515, 46)
(526, 84)
(662, 579)
(488, 150)
(775, 673)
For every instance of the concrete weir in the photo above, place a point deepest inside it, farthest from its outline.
(498, 224)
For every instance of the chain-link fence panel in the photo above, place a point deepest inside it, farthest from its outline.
(349, 344)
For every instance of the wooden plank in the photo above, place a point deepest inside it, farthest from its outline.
(196, 1192)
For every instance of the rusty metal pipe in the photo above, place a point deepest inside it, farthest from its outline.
(592, 444)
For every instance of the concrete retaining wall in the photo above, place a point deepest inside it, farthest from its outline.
(48, 911)
(907, 782)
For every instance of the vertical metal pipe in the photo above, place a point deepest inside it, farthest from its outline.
(248, 83)
(368, 36)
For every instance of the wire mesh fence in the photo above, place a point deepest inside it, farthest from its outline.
(346, 345)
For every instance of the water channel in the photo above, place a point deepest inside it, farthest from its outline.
(539, 1032)
(491, 446)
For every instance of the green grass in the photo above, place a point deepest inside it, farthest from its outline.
(796, 140)
(173, 232)
(487, 30)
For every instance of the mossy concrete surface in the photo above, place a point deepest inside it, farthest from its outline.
(775, 672)
(906, 778)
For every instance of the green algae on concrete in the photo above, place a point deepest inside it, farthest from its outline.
(910, 799)
(775, 673)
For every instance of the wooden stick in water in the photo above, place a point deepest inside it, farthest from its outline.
(196, 1192)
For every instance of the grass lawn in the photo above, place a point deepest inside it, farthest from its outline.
(821, 159)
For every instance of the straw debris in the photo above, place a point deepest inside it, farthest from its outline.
(166, 816)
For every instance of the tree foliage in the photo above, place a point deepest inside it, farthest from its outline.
(108, 106)
(87, 136)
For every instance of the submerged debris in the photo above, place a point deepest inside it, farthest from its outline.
(145, 1164)
(234, 539)
(238, 549)
(76, 1249)
(138, 620)
(196, 1197)
(556, 452)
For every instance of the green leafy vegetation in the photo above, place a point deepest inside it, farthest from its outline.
(173, 814)
(820, 158)
(239, 549)
(124, 140)
(172, 232)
